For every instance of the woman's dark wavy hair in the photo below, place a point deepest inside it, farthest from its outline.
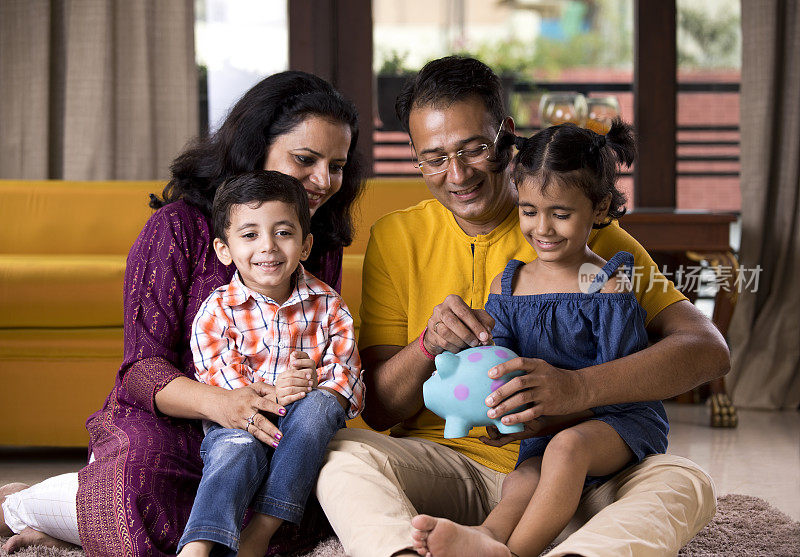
(445, 81)
(272, 107)
(571, 155)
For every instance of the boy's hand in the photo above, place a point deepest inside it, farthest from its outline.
(303, 362)
(297, 380)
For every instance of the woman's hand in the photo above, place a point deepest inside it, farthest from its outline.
(243, 408)
(546, 390)
(454, 326)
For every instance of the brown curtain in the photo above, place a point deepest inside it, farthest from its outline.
(95, 89)
(765, 331)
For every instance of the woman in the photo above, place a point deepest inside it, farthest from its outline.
(134, 496)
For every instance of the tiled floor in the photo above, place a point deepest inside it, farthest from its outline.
(761, 457)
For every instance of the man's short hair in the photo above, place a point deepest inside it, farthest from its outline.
(451, 79)
(259, 187)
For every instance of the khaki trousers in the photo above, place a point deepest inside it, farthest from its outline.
(371, 485)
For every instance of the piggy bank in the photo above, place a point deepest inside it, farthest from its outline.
(458, 389)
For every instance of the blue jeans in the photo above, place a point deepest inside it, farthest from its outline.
(241, 471)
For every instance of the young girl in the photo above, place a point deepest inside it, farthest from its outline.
(572, 309)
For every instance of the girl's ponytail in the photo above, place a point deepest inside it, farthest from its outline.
(620, 139)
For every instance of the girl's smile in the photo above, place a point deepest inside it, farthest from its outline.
(557, 220)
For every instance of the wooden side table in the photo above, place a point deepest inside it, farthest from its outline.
(677, 238)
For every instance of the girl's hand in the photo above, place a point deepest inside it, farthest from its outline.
(546, 425)
(454, 326)
(547, 390)
(494, 438)
(238, 406)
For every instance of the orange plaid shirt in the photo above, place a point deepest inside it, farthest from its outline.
(240, 336)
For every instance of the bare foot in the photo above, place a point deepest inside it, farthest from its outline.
(197, 548)
(30, 537)
(5, 491)
(255, 538)
(444, 538)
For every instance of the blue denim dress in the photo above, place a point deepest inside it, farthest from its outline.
(577, 330)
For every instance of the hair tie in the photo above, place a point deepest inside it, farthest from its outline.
(519, 142)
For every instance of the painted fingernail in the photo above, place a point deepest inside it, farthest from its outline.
(278, 436)
(491, 413)
(275, 444)
(506, 420)
(492, 373)
(490, 401)
(282, 411)
(483, 336)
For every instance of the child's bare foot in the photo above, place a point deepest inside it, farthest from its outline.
(440, 537)
(197, 548)
(30, 537)
(5, 491)
(257, 535)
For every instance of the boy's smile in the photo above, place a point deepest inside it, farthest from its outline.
(266, 243)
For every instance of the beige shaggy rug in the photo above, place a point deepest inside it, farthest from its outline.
(743, 526)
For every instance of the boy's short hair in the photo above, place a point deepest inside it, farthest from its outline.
(259, 187)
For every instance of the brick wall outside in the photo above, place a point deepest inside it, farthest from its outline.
(713, 193)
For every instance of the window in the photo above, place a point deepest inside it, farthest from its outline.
(237, 43)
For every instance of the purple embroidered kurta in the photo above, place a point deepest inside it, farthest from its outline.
(135, 497)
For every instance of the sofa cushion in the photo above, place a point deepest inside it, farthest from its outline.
(61, 290)
(62, 345)
(62, 217)
(53, 379)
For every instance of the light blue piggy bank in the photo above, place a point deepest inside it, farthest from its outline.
(458, 389)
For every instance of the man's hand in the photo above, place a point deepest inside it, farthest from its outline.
(546, 390)
(454, 326)
(297, 380)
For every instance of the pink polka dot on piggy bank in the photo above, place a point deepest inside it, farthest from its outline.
(461, 392)
(475, 357)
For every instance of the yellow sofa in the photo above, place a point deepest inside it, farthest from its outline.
(62, 260)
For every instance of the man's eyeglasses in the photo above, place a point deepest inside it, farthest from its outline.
(470, 156)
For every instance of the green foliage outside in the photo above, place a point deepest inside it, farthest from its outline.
(394, 63)
(705, 40)
(708, 42)
(709, 36)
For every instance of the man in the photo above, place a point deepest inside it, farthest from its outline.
(427, 273)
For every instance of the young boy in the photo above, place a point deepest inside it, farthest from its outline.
(276, 323)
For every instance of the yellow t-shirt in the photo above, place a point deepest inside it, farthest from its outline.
(418, 256)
